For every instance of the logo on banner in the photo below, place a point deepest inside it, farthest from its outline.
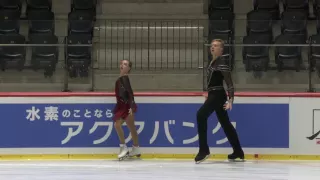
(54, 114)
(315, 126)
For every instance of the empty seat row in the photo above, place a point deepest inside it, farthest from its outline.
(31, 5)
(39, 21)
(295, 22)
(45, 52)
(220, 5)
(47, 5)
(41, 36)
(268, 5)
(42, 21)
(259, 22)
(288, 51)
(222, 22)
(292, 22)
(271, 6)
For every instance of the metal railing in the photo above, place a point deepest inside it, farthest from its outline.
(151, 44)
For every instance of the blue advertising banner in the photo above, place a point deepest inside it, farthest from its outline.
(159, 125)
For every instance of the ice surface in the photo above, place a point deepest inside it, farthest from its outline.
(158, 170)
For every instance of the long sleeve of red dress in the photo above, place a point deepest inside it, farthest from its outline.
(127, 86)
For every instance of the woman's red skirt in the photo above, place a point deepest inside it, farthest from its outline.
(121, 111)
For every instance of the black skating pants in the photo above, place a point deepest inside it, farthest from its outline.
(215, 102)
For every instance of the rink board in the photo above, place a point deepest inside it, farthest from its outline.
(80, 126)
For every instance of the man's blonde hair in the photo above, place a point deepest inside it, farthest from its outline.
(220, 41)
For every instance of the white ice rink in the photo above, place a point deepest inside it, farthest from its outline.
(158, 170)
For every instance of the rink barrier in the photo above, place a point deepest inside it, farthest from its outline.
(280, 124)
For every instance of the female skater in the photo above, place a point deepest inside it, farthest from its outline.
(124, 111)
(218, 70)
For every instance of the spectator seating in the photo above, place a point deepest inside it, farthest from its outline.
(9, 21)
(220, 5)
(271, 6)
(13, 56)
(11, 5)
(289, 56)
(42, 38)
(78, 54)
(80, 22)
(256, 57)
(41, 21)
(44, 56)
(259, 22)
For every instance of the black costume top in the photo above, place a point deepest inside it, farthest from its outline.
(218, 70)
(124, 92)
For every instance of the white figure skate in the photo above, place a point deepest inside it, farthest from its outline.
(124, 153)
(135, 152)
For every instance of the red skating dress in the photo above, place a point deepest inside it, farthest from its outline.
(125, 99)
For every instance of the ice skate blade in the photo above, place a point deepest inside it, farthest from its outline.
(198, 162)
(236, 160)
(124, 157)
